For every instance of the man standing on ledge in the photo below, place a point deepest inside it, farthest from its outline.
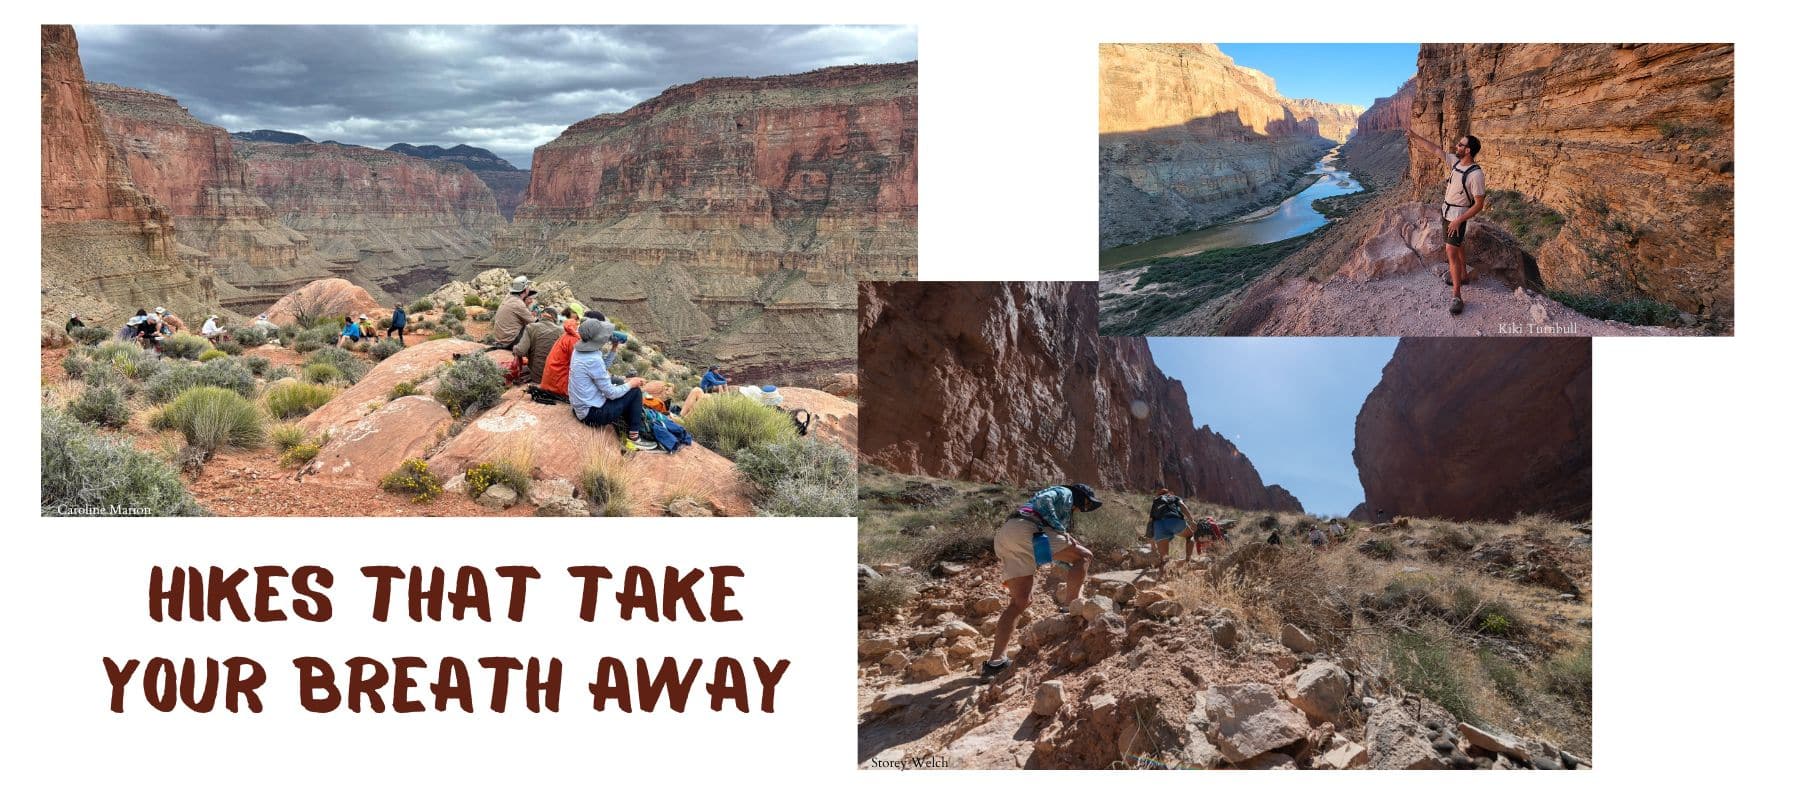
(1465, 195)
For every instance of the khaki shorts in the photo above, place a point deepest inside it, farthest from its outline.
(1012, 544)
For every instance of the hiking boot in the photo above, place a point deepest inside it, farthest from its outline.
(1456, 305)
(990, 669)
(644, 443)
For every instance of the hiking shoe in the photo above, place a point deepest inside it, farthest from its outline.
(1456, 305)
(644, 443)
(990, 669)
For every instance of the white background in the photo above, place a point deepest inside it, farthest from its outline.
(1693, 446)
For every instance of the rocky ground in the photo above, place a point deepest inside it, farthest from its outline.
(1419, 644)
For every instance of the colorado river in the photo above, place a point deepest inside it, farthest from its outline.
(1293, 217)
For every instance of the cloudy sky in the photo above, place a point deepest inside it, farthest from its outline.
(505, 88)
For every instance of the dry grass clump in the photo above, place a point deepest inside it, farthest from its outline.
(882, 597)
(607, 483)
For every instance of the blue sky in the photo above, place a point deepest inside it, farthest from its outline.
(1289, 404)
(1335, 73)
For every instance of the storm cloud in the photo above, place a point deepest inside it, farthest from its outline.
(504, 88)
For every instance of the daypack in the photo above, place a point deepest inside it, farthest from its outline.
(1165, 506)
(667, 432)
(541, 395)
(1465, 185)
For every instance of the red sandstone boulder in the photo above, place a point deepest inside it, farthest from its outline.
(556, 445)
(332, 296)
(409, 365)
(842, 384)
(834, 418)
(1411, 236)
(376, 444)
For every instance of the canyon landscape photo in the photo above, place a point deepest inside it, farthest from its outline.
(1609, 176)
(715, 193)
(1385, 562)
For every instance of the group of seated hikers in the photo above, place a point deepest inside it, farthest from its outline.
(566, 355)
(150, 328)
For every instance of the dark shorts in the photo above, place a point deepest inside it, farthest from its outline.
(1165, 529)
(1453, 234)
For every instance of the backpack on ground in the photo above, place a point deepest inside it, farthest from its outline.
(539, 394)
(802, 420)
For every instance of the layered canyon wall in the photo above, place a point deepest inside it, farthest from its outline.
(1486, 432)
(1012, 383)
(728, 220)
(190, 168)
(1378, 152)
(507, 182)
(107, 248)
(396, 225)
(1189, 138)
(1631, 145)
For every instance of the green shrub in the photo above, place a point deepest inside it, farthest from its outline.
(805, 477)
(456, 313)
(883, 597)
(299, 454)
(184, 345)
(1495, 624)
(75, 363)
(86, 474)
(438, 335)
(323, 373)
(414, 477)
(256, 364)
(1632, 311)
(483, 315)
(101, 405)
(250, 336)
(455, 327)
(230, 347)
(279, 373)
(607, 484)
(471, 382)
(286, 436)
(308, 341)
(211, 418)
(89, 335)
(348, 365)
(1424, 665)
(471, 300)
(479, 478)
(384, 348)
(730, 422)
(130, 360)
(179, 377)
(420, 306)
(1571, 674)
(213, 354)
(286, 334)
(297, 399)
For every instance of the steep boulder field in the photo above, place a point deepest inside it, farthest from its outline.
(191, 169)
(1630, 145)
(1189, 138)
(1480, 433)
(1012, 382)
(727, 220)
(107, 246)
(394, 224)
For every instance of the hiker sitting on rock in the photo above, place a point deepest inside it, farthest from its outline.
(351, 333)
(1202, 535)
(397, 325)
(555, 383)
(211, 329)
(1465, 195)
(594, 397)
(1168, 517)
(171, 323)
(1049, 514)
(713, 381)
(513, 315)
(534, 346)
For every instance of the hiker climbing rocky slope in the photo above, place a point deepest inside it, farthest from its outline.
(1188, 138)
(106, 245)
(1479, 433)
(955, 365)
(191, 168)
(395, 224)
(728, 219)
(507, 182)
(1631, 145)
(1418, 644)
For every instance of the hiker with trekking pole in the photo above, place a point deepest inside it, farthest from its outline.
(1038, 533)
(1465, 195)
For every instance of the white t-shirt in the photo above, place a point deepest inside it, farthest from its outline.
(1454, 200)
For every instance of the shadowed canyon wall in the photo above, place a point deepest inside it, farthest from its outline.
(1189, 138)
(1012, 383)
(727, 220)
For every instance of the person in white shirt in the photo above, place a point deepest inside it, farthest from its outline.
(212, 330)
(1465, 195)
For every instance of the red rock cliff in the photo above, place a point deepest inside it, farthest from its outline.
(726, 220)
(106, 246)
(1480, 430)
(190, 168)
(1390, 113)
(1012, 383)
(388, 222)
(1630, 144)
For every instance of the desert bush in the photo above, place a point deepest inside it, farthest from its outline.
(129, 360)
(279, 373)
(883, 597)
(299, 454)
(311, 340)
(256, 364)
(210, 417)
(483, 315)
(457, 312)
(184, 345)
(471, 383)
(87, 474)
(1426, 666)
(438, 335)
(479, 478)
(90, 335)
(471, 300)
(384, 348)
(607, 484)
(229, 347)
(1504, 676)
(420, 306)
(101, 405)
(731, 422)
(955, 543)
(414, 477)
(322, 373)
(75, 363)
(455, 327)
(250, 336)
(402, 389)
(1571, 674)
(1113, 528)
(286, 436)
(297, 399)
(348, 365)
(1492, 616)
(214, 354)
(805, 477)
(179, 377)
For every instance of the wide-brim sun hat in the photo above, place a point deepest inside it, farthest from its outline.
(520, 284)
(590, 331)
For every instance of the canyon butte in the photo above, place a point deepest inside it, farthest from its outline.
(726, 220)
